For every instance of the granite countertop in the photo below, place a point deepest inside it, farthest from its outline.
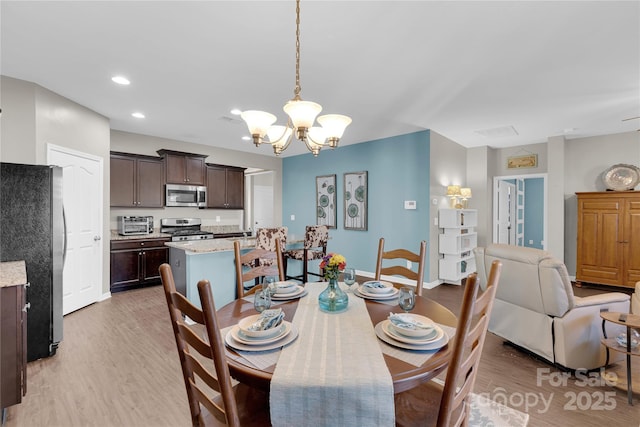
(155, 235)
(213, 245)
(13, 273)
(216, 229)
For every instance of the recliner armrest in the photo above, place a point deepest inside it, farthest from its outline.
(601, 299)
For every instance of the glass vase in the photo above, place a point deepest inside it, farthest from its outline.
(333, 299)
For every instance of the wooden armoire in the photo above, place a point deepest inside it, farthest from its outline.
(608, 250)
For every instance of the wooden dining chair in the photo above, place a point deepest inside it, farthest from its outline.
(234, 406)
(431, 404)
(314, 248)
(249, 266)
(402, 270)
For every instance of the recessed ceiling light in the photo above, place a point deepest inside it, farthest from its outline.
(246, 138)
(236, 112)
(138, 115)
(120, 80)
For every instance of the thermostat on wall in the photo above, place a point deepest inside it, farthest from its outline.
(409, 204)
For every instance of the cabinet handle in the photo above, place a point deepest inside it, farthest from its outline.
(26, 307)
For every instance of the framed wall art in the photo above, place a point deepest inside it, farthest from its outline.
(326, 201)
(526, 161)
(355, 200)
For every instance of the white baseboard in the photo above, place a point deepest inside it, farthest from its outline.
(401, 280)
(105, 296)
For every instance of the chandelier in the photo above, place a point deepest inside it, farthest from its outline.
(302, 115)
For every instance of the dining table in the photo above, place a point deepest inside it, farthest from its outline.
(404, 374)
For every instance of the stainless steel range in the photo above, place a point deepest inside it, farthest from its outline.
(183, 229)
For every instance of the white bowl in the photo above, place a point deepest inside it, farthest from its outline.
(245, 323)
(411, 332)
(386, 287)
(285, 287)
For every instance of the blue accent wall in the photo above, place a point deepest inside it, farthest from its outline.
(398, 170)
(534, 212)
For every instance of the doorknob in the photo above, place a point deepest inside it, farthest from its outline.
(96, 238)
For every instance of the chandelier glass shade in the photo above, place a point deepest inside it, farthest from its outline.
(301, 119)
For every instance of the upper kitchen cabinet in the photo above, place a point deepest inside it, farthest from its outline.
(225, 187)
(183, 168)
(136, 181)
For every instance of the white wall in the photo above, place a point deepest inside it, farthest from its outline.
(585, 161)
(33, 117)
(448, 167)
(17, 122)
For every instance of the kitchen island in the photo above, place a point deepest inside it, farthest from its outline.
(212, 260)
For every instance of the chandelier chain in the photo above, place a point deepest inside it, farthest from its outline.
(296, 90)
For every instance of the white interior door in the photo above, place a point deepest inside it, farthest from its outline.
(83, 201)
(504, 224)
(262, 191)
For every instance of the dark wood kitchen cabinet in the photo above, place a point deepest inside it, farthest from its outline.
(136, 262)
(225, 187)
(136, 181)
(183, 168)
(13, 333)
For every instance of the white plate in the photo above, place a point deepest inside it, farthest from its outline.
(287, 339)
(435, 345)
(300, 291)
(387, 327)
(419, 333)
(367, 295)
(388, 287)
(237, 335)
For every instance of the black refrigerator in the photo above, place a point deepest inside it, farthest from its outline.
(32, 228)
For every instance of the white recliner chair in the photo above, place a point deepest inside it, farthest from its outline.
(535, 308)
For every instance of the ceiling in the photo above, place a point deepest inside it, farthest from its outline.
(480, 73)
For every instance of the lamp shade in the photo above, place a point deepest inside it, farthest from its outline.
(279, 135)
(465, 193)
(302, 113)
(317, 135)
(453, 190)
(258, 122)
(334, 124)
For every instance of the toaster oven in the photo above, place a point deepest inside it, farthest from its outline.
(132, 225)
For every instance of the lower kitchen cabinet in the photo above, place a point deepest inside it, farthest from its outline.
(135, 262)
(13, 333)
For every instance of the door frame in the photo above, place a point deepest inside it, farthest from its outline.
(98, 295)
(545, 220)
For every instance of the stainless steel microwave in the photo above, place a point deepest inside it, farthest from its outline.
(186, 195)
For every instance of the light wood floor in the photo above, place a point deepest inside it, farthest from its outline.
(118, 366)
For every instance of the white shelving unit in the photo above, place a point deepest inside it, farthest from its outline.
(456, 244)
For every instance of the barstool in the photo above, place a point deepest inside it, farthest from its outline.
(315, 247)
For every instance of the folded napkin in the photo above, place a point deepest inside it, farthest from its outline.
(408, 322)
(268, 319)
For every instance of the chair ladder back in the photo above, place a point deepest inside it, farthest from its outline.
(254, 258)
(218, 352)
(401, 270)
(192, 368)
(467, 348)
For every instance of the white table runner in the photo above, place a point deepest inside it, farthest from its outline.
(334, 374)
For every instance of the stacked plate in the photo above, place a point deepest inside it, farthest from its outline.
(377, 290)
(430, 337)
(287, 291)
(241, 338)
